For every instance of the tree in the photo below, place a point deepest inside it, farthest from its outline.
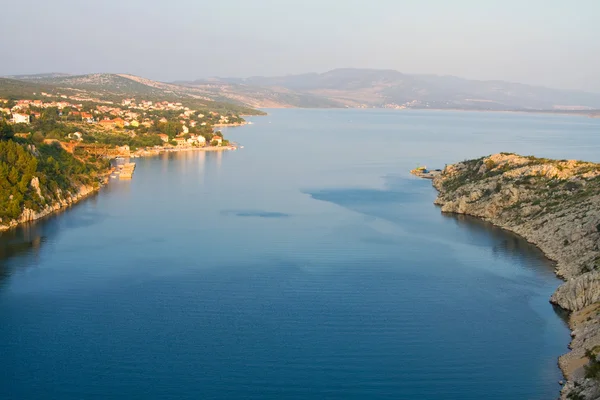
(38, 137)
(172, 129)
(6, 130)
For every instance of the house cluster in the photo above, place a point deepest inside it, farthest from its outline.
(192, 140)
(150, 105)
(111, 116)
(24, 110)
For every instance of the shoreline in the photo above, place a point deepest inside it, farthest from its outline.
(28, 216)
(85, 191)
(577, 295)
(153, 152)
(567, 368)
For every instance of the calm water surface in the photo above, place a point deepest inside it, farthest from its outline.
(308, 264)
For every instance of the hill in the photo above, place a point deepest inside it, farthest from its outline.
(115, 87)
(389, 88)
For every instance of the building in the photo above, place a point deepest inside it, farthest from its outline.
(75, 136)
(21, 118)
(163, 137)
(181, 142)
(107, 123)
(119, 122)
(201, 140)
(87, 117)
(217, 139)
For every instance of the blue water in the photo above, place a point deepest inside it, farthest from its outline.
(307, 265)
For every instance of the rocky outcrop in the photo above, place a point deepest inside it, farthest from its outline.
(63, 201)
(554, 204)
(579, 292)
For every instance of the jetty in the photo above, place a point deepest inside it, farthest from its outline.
(423, 172)
(126, 170)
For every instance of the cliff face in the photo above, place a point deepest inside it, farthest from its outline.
(555, 205)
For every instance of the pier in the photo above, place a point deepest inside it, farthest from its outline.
(126, 170)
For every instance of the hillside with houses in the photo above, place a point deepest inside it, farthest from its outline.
(130, 127)
(56, 147)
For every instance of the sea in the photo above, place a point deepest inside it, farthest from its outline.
(307, 264)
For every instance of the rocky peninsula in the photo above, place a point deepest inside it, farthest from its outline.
(554, 204)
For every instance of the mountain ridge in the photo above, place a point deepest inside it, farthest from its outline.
(381, 88)
(340, 88)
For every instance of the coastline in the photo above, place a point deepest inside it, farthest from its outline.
(157, 151)
(28, 215)
(84, 191)
(568, 236)
(568, 365)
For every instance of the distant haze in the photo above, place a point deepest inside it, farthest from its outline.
(553, 43)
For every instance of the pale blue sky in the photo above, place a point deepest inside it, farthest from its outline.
(554, 43)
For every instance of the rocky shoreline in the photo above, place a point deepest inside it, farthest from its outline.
(68, 200)
(554, 204)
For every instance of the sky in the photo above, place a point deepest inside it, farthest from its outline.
(554, 43)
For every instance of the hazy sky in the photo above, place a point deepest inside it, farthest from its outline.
(554, 43)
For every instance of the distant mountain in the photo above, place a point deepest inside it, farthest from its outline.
(260, 96)
(337, 88)
(388, 88)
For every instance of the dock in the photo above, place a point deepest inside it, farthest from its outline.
(126, 170)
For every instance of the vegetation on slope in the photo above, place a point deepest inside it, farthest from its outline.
(26, 167)
(550, 184)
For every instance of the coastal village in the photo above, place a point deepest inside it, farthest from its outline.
(56, 149)
(129, 128)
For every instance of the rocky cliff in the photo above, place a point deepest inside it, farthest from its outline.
(554, 204)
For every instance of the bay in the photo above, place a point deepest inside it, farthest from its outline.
(308, 264)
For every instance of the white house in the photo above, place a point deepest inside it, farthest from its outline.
(21, 118)
(75, 136)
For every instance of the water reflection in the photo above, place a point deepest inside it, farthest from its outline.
(27, 238)
(404, 204)
(503, 243)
